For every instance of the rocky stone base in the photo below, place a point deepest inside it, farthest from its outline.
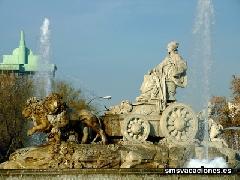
(68, 155)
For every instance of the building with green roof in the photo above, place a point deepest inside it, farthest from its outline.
(22, 61)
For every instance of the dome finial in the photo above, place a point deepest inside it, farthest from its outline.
(22, 38)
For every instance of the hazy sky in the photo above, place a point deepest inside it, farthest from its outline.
(106, 46)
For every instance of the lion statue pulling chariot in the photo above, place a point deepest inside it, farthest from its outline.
(51, 114)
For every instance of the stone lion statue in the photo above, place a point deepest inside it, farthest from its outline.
(57, 110)
(35, 111)
(48, 115)
(51, 114)
(92, 121)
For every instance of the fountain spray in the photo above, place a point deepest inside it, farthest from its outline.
(202, 31)
(44, 75)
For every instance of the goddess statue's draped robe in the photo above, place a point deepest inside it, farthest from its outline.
(160, 83)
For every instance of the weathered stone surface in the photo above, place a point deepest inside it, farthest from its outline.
(178, 156)
(68, 155)
(65, 155)
(112, 124)
(140, 156)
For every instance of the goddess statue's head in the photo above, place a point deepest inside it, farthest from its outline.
(172, 46)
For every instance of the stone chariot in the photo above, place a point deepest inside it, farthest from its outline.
(177, 122)
(156, 113)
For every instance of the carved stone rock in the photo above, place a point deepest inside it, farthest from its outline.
(65, 155)
(69, 155)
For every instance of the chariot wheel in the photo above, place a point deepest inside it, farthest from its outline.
(179, 122)
(135, 128)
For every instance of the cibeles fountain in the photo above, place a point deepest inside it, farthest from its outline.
(155, 131)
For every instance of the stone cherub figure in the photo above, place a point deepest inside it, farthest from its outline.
(160, 83)
(215, 129)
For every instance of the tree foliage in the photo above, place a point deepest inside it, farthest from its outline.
(14, 91)
(72, 96)
(224, 116)
(235, 87)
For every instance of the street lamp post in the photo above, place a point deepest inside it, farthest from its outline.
(99, 97)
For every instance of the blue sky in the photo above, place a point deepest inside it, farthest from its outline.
(106, 46)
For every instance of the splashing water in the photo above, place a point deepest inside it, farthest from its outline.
(202, 31)
(217, 162)
(203, 54)
(203, 60)
(43, 76)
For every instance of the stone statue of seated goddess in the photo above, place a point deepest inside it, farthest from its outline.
(160, 83)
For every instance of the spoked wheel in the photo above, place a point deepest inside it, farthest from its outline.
(179, 122)
(135, 128)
